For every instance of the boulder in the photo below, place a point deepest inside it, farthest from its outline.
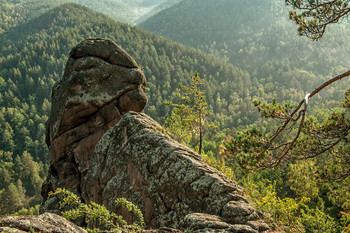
(102, 147)
(100, 83)
(44, 223)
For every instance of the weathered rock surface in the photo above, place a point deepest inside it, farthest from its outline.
(45, 223)
(103, 148)
(100, 83)
(170, 182)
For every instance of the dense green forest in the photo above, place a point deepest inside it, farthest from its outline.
(254, 54)
(257, 36)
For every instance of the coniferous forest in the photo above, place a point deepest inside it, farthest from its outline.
(245, 51)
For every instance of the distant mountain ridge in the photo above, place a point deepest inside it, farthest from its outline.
(257, 36)
(128, 11)
(165, 5)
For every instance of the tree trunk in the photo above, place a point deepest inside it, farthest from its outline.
(200, 134)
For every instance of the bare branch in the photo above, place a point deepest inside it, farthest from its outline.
(287, 146)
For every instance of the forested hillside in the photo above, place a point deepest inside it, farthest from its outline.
(257, 36)
(309, 190)
(14, 13)
(32, 57)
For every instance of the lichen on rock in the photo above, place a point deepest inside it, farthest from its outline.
(169, 181)
(100, 83)
(102, 148)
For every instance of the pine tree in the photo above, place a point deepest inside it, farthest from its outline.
(188, 118)
(313, 17)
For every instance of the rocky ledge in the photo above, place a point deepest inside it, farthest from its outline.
(171, 184)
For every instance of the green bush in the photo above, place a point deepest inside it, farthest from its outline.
(98, 217)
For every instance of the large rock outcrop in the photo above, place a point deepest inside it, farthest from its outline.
(102, 148)
(100, 83)
(169, 181)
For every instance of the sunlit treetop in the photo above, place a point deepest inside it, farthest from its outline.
(313, 16)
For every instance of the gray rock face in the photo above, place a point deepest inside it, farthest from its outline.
(45, 223)
(170, 182)
(100, 83)
(103, 148)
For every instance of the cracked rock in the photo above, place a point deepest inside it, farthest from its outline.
(102, 148)
(100, 83)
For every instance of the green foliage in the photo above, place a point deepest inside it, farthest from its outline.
(273, 192)
(248, 148)
(317, 168)
(316, 220)
(345, 221)
(98, 217)
(219, 165)
(292, 214)
(311, 139)
(274, 110)
(28, 211)
(129, 206)
(315, 16)
(302, 178)
(188, 118)
(179, 125)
